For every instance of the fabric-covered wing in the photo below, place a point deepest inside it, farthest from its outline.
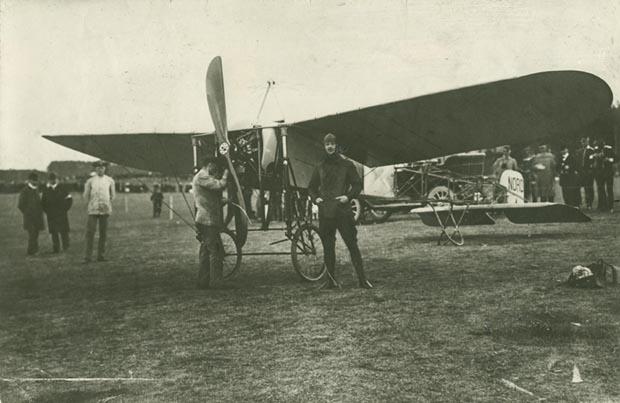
(167, 153)
(527, 109)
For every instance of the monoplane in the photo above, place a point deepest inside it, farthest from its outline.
(547, 106)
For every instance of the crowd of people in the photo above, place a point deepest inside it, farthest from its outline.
(590, 164)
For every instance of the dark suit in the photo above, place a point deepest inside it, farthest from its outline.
(56, 203)
(569, 180)
(333, 177)
(604, 173)
(585, 169)
(30, 205)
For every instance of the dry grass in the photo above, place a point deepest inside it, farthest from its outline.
(443, 324)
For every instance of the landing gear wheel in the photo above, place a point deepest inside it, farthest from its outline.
(380, 216)
(307, 253)
(440, 194)
(356, 207)
(232, 254)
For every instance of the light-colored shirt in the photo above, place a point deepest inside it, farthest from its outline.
(207, 191)
(99, 191)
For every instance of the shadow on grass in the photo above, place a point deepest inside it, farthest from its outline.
(498, 239)
(548, 328)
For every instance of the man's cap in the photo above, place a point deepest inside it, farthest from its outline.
(32, 176)
(100, 163)
(329, 138)
(51, 176)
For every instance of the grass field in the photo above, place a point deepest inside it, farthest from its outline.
(443, 323)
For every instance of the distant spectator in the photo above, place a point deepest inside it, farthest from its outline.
(57, 201)
(528, 175)
(569, 180)
(99, 192)
(544, 167)
(503, 163)
(604, 158)
(30, 205)
(585, 167)
(157, 198)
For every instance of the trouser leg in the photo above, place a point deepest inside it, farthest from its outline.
(588, 187)
(348, 232)
(91, 226)
(55, 242)
(103, 232)
(204, 267)
(33, 241)
(211, 256)
(327, 230)
(64, 236)
(602, 194)
(609, 188)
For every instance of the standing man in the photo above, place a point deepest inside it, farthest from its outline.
(503, 163)
(30, 205)
(544, 168)
(157, 198)
(585, 167)
(208, 187)
(528, 177)
(56, 203)
(604, 173)
(99, 192)
(333, 184)
(568, 178)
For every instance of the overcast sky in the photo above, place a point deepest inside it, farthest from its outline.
(138, 66)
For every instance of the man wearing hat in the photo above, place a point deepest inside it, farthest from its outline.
(333, 184)
(30, 205)
(207, 189)
(56, 203)
(98, 192)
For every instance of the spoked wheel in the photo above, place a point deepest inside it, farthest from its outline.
(440, 194)
(380, 216)
(232, 254)
(356, 208)
(307, 253)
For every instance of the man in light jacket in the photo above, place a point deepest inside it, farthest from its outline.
(98, 192)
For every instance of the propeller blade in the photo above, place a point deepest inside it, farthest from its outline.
(217, 107)
(216, 99)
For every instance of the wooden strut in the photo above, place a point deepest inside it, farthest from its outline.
(455, 223)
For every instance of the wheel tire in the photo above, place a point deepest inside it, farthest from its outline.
(357, 209)
(232, 254)
(440, 193)
(305, 253)
(380, 216)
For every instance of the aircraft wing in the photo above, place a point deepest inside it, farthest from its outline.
(168, 153)
(527, 109)
(525, 213)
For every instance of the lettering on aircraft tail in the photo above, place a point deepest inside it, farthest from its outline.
(513, 182)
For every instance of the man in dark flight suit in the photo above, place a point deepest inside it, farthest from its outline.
(333, 184)
(604, 173)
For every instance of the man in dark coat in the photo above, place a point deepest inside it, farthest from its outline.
(604, 173)
(333, 184)
(56, 203)
(585, 166)
(568, 178)
(30, 205)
